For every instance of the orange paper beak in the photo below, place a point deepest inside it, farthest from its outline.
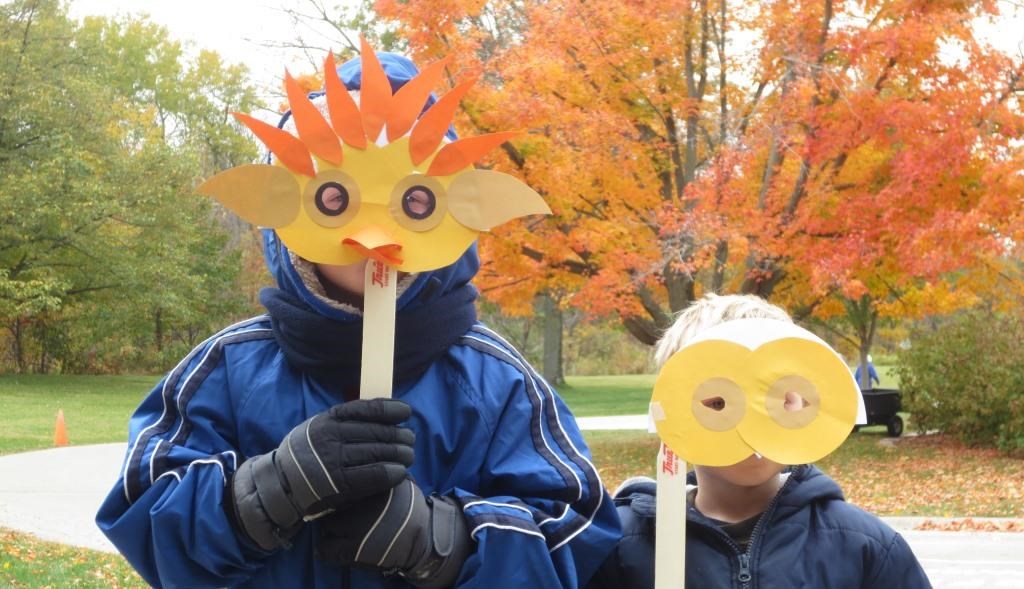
(376, 244)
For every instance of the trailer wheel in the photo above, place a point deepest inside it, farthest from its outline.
(895, 426)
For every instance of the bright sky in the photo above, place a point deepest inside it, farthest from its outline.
(241, 31)
(251, 31)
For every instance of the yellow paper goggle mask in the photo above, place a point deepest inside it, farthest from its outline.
(377, 180)
(755, 386)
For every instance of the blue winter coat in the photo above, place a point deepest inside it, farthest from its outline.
(489, 431)
(808, 537)
(872, 375)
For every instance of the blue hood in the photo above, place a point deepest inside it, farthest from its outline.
(428, 286)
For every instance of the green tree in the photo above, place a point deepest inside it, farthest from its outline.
(962, 376)
(106, 256)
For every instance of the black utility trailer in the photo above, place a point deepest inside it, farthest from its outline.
(882, 406)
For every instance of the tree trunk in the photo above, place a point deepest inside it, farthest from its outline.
(19, 346)
(158, 330)
(863, 315)
(552, 341)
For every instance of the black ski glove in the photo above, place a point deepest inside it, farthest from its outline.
(349, 452)
(423, 539)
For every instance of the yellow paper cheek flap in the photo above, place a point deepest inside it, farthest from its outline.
(483, 199)
(264, 195)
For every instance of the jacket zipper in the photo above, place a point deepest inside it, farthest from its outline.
(745, 576)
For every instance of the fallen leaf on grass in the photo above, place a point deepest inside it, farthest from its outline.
(972, 525)
(924, 475)
(930, 476)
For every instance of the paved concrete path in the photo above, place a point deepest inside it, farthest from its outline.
(54, 494)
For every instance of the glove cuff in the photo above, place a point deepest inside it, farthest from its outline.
(450, 546)
(262, 511)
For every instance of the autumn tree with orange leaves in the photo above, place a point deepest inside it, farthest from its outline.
(826, 154)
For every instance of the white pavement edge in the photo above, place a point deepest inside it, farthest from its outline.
(617, 422)
(54, 494)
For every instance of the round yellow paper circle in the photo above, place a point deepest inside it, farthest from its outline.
(701, 370)
(813, 432)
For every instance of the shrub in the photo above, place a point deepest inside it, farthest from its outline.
(964, 376)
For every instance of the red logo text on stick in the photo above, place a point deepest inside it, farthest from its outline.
(380, 275)
(670, 463)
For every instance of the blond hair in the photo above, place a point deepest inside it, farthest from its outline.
(709, 311)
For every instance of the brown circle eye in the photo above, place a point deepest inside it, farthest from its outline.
(714, 403)
(332, 199)
(418, 202)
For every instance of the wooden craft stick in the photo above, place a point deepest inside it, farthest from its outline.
(379, 302)
(670, 526)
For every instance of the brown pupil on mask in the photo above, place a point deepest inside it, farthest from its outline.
(714, 403)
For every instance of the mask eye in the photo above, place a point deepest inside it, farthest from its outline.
(714, 403)
(793, 402)
(419, 202)
(718, 404)
(332, 199)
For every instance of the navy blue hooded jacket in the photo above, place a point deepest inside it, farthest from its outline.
(808, 537)
(489, 432)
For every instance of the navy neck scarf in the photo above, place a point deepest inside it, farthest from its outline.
(330, 351)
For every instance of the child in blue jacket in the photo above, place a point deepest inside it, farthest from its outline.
(253, 463)
(757, 524)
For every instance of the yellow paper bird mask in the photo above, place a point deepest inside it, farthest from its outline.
(376, 180)
(726, 395)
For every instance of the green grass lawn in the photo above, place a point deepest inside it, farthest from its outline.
(26, 561)
(887, 374)
(96, 408)
(607, 395)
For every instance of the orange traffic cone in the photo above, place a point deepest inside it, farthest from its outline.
(60, 434)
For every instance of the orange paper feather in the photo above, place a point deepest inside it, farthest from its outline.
(374, 93)
(464, 152)
(345, 117)
(313, 129)
(408, 102)
(290, 150)
(430, 130)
